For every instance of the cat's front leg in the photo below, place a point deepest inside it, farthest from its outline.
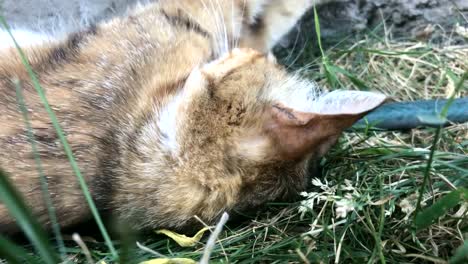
(270, 20)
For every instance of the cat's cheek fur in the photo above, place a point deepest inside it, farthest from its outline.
(168, 123)
(172, 115)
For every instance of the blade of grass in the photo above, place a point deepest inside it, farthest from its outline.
(40, 169)
(63, 141)
(18, 209)
(427, 171)
(13, 253)
(440, 207)
(377, 237)
(329, 70)
(356, 81)
(458, 87)
(461, 255)
(317, 30)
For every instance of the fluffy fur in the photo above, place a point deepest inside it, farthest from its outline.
(173, 111)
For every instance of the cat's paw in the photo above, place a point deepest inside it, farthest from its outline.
(270, 20)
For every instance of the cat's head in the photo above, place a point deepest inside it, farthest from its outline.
(244, 115)
(248, 102)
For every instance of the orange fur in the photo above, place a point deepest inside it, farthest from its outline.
(189, 64)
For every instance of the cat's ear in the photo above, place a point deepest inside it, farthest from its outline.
(290, 134)
(295, 133)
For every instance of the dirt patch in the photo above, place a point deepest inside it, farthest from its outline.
(58, 15)
(400, 18)
(338, 19)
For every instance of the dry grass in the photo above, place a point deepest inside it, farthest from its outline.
(408, 70)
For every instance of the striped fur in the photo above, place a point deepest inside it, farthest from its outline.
(172, 111)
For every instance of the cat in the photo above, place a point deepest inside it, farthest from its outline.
(176, 110)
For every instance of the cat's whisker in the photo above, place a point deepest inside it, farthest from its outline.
(304, 69)
(233, 26)
(212, 15)
(223, 27)
(290, 53)
(298, 55)
(239, 32)
(223, 32)
(308, 66)
(219, 33)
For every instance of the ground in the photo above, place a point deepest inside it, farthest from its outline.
(363, 205)
(341, 17)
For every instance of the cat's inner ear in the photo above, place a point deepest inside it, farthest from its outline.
(292, 134)
(341, 102)
(295, 133)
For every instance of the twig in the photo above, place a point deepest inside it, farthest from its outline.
(212, 239)
(320, 230)
(77, 238)
(149, 250)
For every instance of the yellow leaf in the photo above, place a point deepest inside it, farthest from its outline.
(169, 261)
(183, 240)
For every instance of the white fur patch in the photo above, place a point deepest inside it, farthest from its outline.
(347, 102)
(295, 93)
(302, 95)
(171, 117)
(23, 38)
(167, 123)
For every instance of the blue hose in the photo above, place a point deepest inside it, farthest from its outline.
(408, 115)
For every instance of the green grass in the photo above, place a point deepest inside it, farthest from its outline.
(40, 169)
(380, 196)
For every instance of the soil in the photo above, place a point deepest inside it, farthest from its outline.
(338, 19)
(58, 15)
(401, 18)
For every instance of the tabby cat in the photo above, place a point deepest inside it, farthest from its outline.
(176, 110)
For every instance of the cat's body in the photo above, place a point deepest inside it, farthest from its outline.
(165, 119)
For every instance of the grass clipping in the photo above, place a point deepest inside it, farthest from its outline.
(366, 202)
(405, 70)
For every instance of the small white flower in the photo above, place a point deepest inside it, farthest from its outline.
(461, 212)
(462, 31)
(408, 204)
(343, 207)
(312, 198)
(348, 196)
(317, 182)
(348, 186)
